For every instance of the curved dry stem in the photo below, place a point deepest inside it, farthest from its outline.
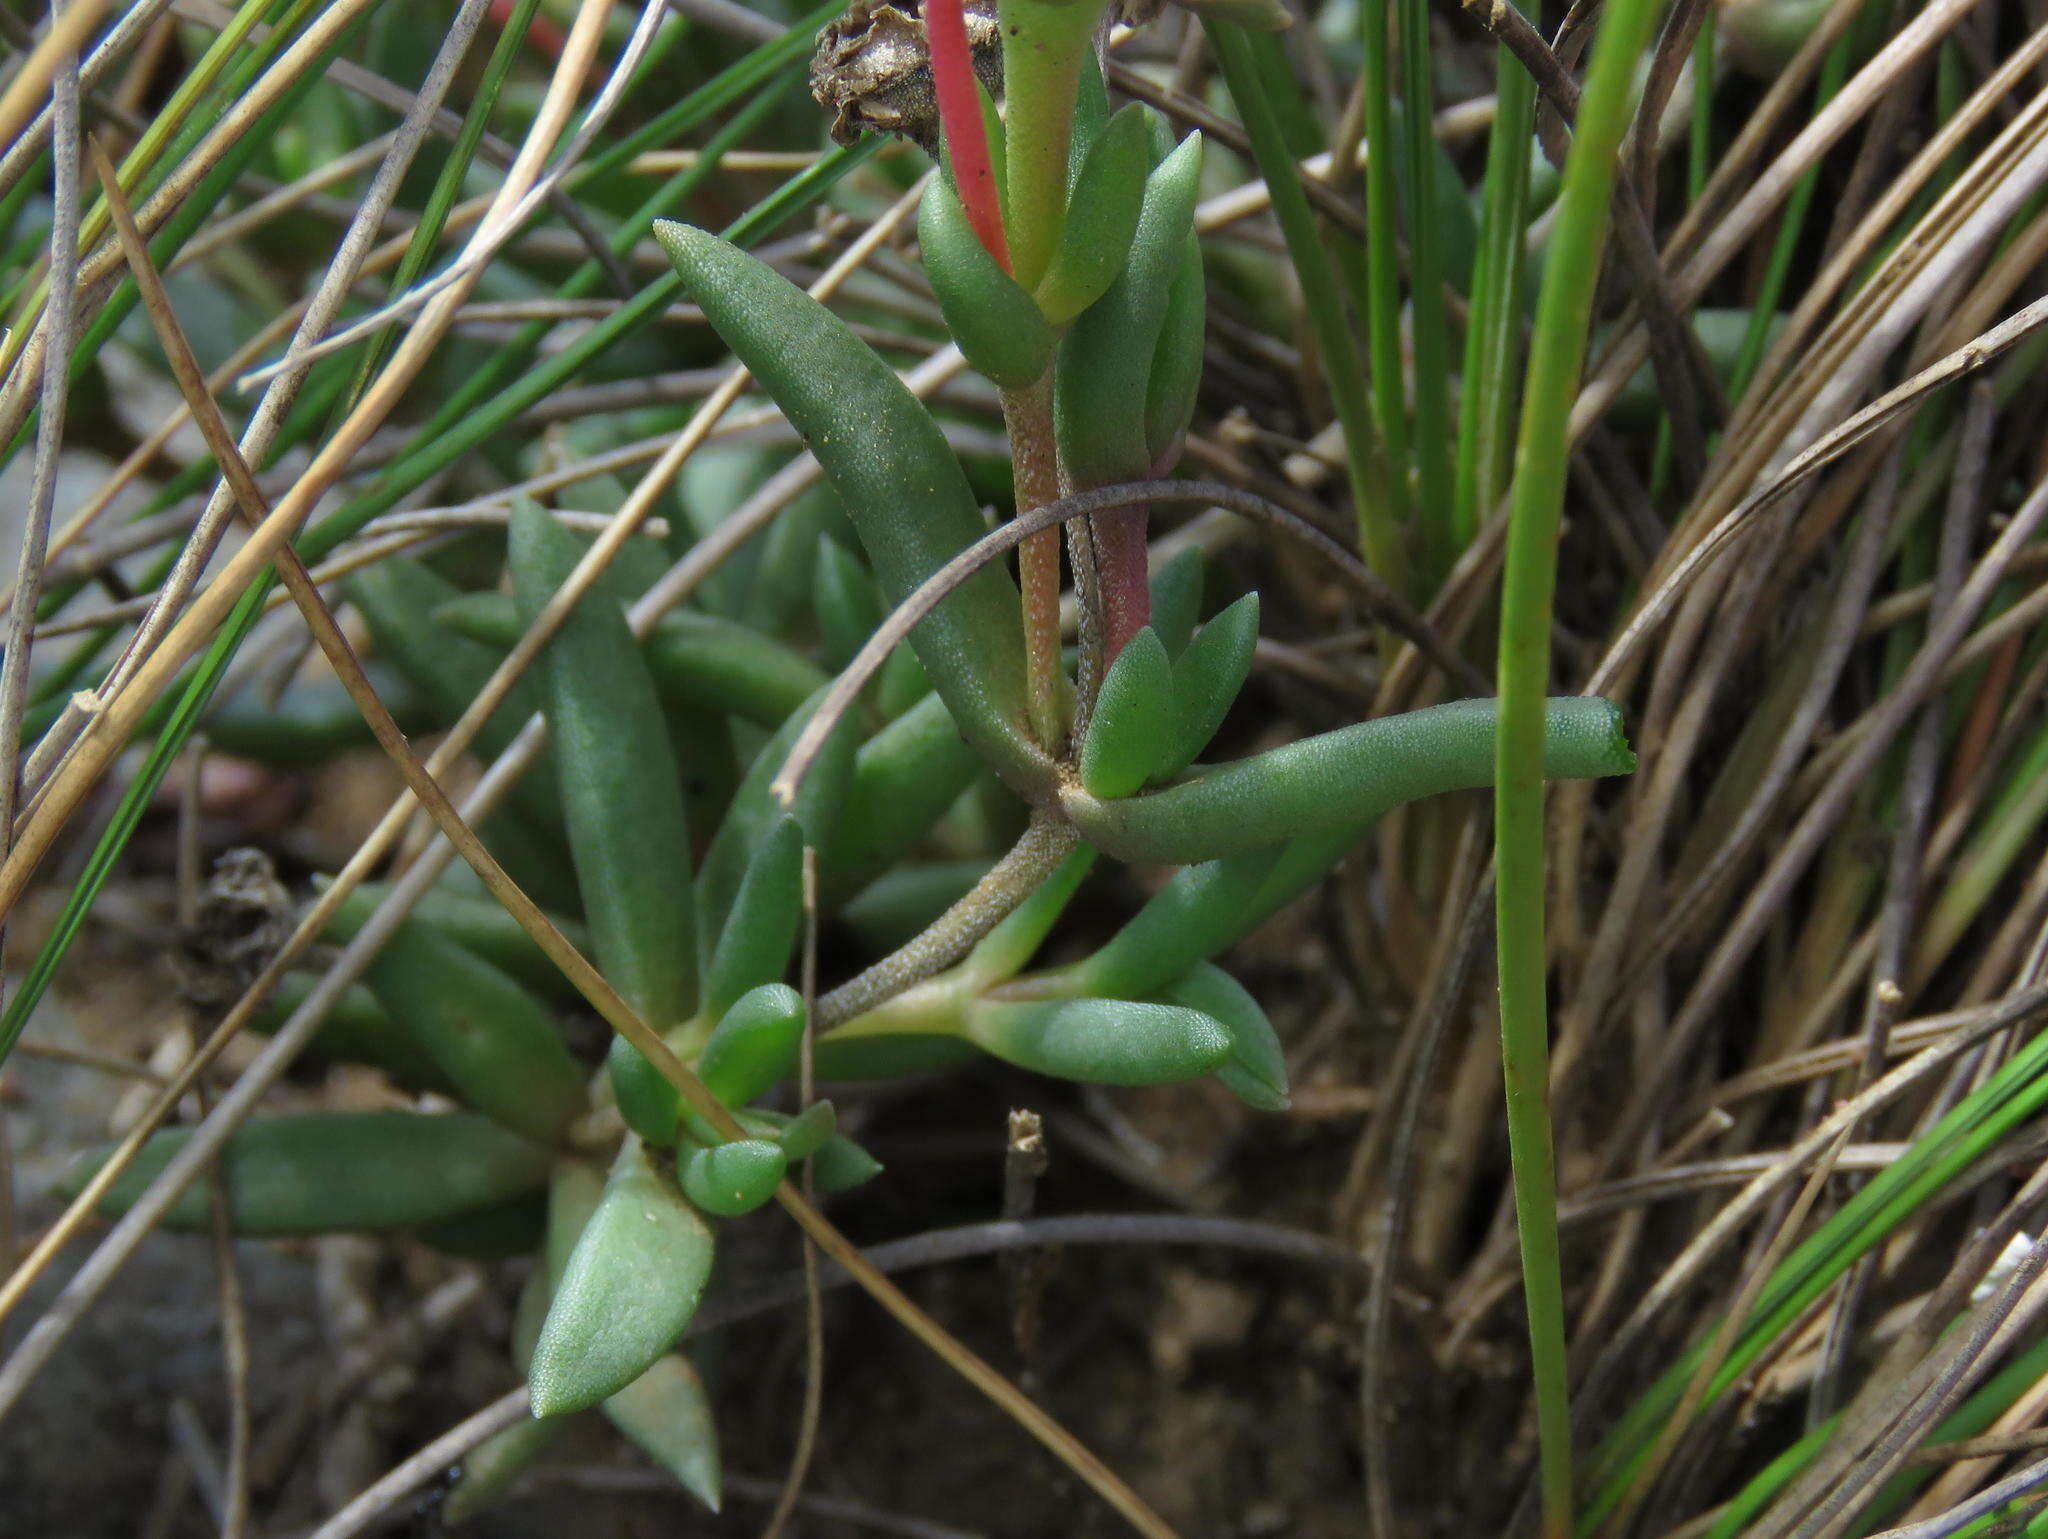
(1020, 873)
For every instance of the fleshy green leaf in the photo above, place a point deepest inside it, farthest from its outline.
(646, 1100)
(1177, 600)
(847, 605)
(1002, 953)
(840, 1164)
(667, 1413)
(891, 1056)
(754, 1044)
(628, 1291)
(1257, 15)
(1350, 776)
(697, 660)
(1192, 918)
(494, 1465)
(997, 324)
(1177, 362)
(804, 1134)
(1134, 728)
(621, 789)
(1100, 1041)
(499, 1046)
(904, 779)
(1102, 216)
(1256, 1070)
(760, 929)
(340, 1172)
(732, 1178)
(755, 813)
(1206, 681)
(1102, 377)
(895, 476)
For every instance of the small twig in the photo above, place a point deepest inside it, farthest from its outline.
(199, 1456)
(59, 320)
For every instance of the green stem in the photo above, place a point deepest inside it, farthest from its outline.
(1557, 354)
(1034, 463)
(1383, 256)
(1045, 43)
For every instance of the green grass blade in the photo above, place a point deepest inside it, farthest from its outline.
(1430, 326)
(1493, 336)
(1557, 353)
(1383, 257)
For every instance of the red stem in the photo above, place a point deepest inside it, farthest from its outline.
(945, 25)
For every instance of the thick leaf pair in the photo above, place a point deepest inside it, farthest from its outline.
(1157, 712)
(1006, 331)
(753, 1046)
(1126, 279)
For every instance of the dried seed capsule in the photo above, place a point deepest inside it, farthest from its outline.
(1100, 1041)
(629, 1289)
(732, 1178)
(1134, 728)
(998, 325)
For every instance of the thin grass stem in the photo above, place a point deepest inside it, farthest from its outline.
(1557, 354)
